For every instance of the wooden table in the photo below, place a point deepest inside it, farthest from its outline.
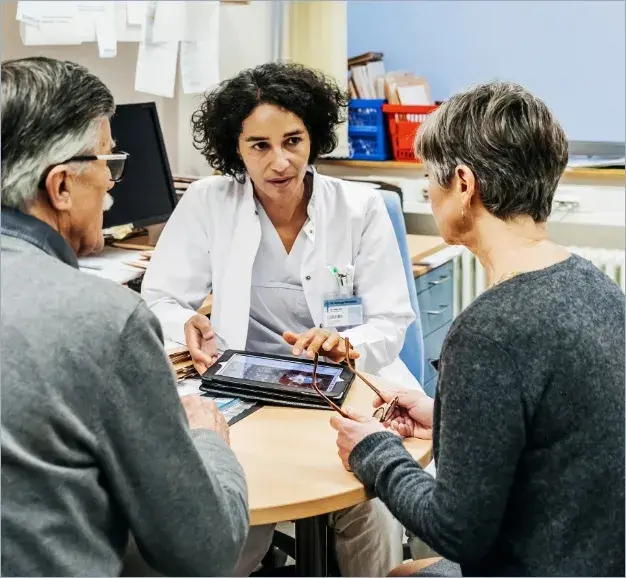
(293, 471)
(422, 246)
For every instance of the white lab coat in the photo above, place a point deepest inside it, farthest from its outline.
(210, 243)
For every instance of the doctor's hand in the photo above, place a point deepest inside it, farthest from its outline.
(317, 340)
(413, 416)
(201, 342)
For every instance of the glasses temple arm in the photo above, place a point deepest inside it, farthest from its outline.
(319, 391)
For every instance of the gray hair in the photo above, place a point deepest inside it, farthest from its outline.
(51, 111)
(508, 138)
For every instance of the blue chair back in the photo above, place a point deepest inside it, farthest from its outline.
(412, 353)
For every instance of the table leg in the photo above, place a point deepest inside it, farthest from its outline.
(312, 546)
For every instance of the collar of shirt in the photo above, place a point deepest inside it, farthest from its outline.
(16, 224)
(309, 226)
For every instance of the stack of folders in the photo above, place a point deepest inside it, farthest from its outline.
(370, 80)
(181, 183)
(181, 361)
(367, 76)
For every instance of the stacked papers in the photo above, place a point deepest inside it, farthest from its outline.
(180, 360)
(117, 265)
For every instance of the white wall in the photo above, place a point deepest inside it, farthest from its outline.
(245, 41)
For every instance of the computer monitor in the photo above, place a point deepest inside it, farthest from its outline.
(146, 194)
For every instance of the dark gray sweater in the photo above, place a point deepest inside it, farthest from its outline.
(528, 433)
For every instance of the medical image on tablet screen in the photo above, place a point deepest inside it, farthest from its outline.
(288, 373)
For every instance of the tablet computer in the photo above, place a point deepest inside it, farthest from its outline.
(280, 374)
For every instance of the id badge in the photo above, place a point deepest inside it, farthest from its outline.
(343, 312)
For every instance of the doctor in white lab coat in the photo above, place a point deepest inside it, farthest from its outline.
(263, 240)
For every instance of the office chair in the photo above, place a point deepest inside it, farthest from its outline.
(412, 353)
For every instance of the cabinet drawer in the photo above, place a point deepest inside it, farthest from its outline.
(439, 276)
(432, 351)
(435, 308)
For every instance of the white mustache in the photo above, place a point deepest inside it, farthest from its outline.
(107, 202)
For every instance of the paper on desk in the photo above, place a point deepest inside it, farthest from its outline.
(110, 264)
(173, 346)
(199, 57)
(120, 276)
(189, 386)
(229, 406)
(156, 61)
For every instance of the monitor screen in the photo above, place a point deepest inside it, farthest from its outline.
(146, 194)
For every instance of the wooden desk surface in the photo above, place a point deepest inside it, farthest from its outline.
(422, 246)
(290, 459)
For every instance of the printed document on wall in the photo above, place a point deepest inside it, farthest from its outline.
(156, 61)
(156, 68)
(135, 12)
(200, 51)
(49, 12)
(44, 23)
(106, 33)
(169, 21)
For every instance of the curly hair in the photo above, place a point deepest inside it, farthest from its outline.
(316, 99)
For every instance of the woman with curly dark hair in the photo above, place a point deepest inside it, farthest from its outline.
(282, 249)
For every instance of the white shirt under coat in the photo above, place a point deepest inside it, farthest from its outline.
(277, 299)
(210, 245)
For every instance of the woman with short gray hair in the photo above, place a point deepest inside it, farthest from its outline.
(528, 419)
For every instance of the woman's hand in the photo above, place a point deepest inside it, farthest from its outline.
(350, 432)
(201, 342)
(413, 416)
(317, 340)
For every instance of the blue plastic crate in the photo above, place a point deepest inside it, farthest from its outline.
(367, 130)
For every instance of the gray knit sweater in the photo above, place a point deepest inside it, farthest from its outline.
(528, 433)
(95, 442)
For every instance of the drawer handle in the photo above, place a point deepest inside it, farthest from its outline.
(442, 280)
(441, 309)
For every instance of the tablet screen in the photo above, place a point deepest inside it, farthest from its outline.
(281, 372)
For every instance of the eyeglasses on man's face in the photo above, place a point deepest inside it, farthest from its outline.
(116, 163)
(382, 413)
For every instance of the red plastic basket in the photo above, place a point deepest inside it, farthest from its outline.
(404, 120)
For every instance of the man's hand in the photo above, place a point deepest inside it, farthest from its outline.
(201, 342)
(413, 416)
(317, 340)
(352, 431)
(202, 413)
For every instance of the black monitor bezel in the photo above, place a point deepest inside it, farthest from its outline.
(156, 219)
